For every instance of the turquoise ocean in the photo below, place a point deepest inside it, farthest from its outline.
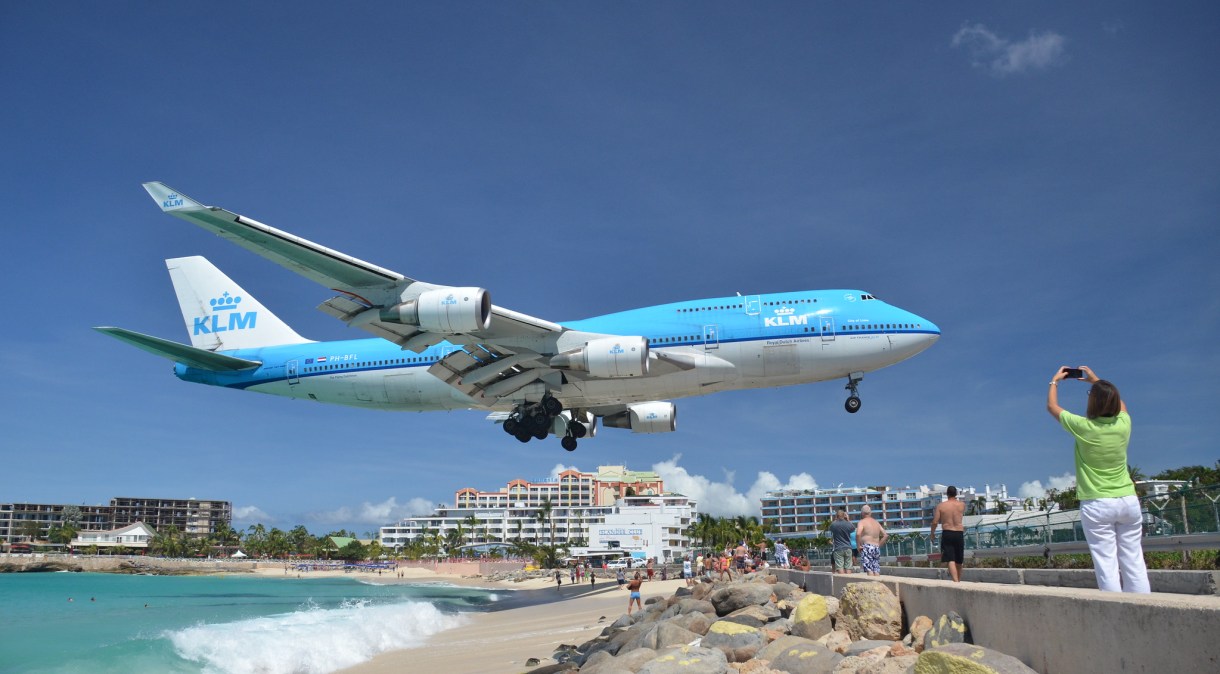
(222, 624)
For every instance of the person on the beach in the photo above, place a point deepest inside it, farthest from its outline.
(687, 572)
(1109, 508)
(558, 579)
(634, 588)
(952, 538)
(724, 567)
(871, 536)
(592, 578)
(572, 574)
(621, 576)
(650, 566)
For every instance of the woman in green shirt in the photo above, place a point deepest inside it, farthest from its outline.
(1109, 509)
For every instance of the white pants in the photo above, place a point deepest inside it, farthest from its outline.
(1113, 528)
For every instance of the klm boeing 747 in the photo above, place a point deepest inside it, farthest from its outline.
(438, 347)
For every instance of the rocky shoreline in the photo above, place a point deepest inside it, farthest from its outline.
(764, 626)
(131, 566)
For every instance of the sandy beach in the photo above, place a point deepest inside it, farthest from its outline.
(536, 618)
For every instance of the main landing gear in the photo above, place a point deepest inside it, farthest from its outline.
(853, 401)
(537, 420)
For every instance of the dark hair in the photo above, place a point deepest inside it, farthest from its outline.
(951, 491)
(1104, 400)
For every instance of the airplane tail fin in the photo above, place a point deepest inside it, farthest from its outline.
(219, 315)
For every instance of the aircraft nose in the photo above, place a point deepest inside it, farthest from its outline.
(931, 331)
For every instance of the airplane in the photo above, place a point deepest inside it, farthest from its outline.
(437, 347)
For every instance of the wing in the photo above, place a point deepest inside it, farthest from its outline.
(502, 351)
(368, 292)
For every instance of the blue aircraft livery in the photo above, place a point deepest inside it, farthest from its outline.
(434, 347)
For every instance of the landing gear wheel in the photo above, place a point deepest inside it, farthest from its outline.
(577, 429)
(524, 437)
(853, 401)
(540, 434)
(551, 406)
(511, 426)
(569, 443)
(539, 422)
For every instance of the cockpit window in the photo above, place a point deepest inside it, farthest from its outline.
(867, 297)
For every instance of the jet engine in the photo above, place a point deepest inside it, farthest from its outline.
(607, 357)
(447, 310)
(645, 418)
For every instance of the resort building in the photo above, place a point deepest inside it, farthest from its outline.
(133, 536)
(193, 517)
(803, 513)
(577, 500)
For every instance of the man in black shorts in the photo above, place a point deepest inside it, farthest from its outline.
(953, 538)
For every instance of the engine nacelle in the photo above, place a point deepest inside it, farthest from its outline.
(447, 310)
(607, 357)
(645, 418)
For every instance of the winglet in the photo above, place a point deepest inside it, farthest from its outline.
(170, 199)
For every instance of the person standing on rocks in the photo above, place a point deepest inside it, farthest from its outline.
(953, 537)
(870, 535)
(841, 530)
(1109, 509)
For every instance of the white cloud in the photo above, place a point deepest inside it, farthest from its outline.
(386, 512)
(559, 468)
(251, 515)
(1035, 488)
(721, 499)
(1004, 57)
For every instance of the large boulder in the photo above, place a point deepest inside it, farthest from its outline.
(773, 649)
(739, 595)
(804, 658)
(810, 619)
(919, 628)
(687, 660)
(837, 641)
(688, 605)
(694, 621)
(738, 642)
(949, 629)
(784, 590)
(968, 659)
(604, 663)
(754, 616)
(892, 665)
(870, 610)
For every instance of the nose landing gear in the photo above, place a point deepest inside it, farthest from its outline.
(853, 401)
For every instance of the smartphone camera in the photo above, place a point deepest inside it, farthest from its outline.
(1073, 373)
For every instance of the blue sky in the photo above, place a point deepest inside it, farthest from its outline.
(1039, 179)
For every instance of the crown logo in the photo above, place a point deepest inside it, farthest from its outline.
(785, 311)
(225, 302)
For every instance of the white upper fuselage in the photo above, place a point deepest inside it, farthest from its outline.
(734, 343)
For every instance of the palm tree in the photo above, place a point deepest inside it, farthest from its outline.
(544, 516)
(30, 529)
(472, 524)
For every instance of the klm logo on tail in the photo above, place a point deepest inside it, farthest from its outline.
(224, 305)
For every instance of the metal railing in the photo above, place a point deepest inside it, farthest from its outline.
(1182, 519)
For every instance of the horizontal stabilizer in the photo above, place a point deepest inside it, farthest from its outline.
(181, 353)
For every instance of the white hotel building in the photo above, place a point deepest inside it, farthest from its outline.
(579, 500)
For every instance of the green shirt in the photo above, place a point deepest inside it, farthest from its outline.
(1101, 455)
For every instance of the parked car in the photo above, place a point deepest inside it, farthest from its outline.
(620, 563)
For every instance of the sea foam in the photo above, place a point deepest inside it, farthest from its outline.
(312, 640)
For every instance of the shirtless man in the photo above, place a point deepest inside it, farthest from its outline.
(870, 535)
(952, 538)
